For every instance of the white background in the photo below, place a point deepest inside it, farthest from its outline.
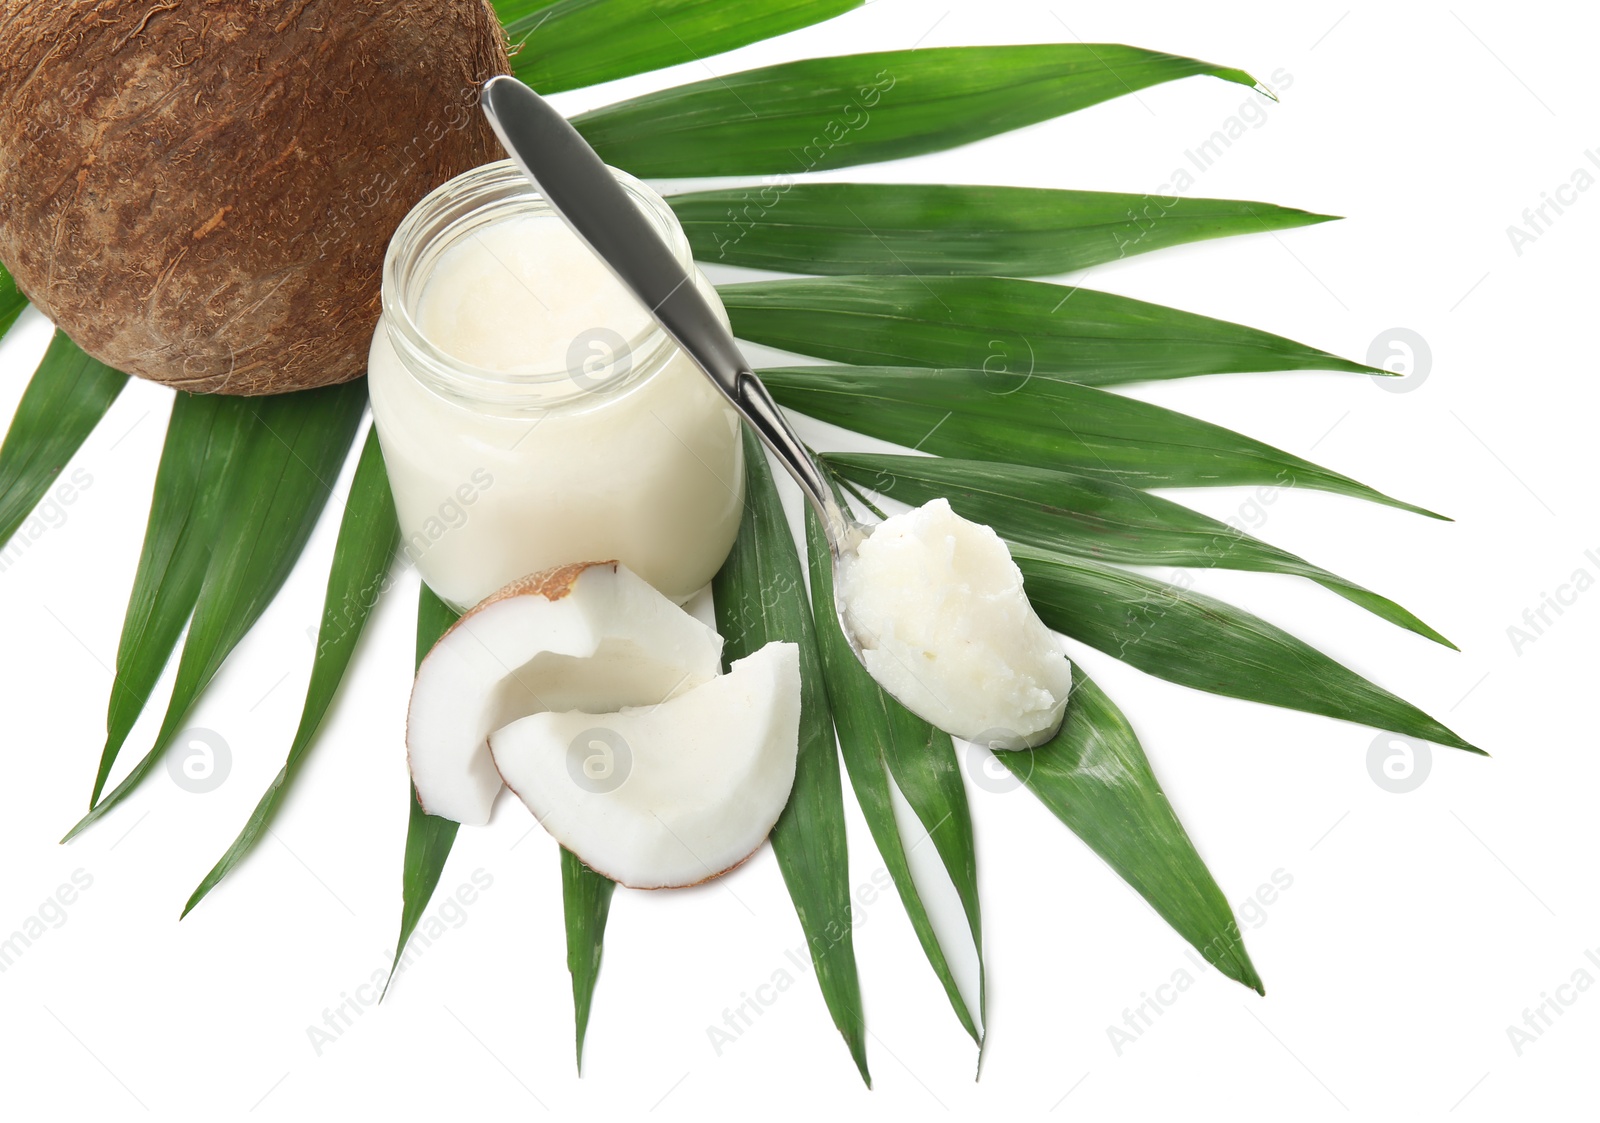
(1417, 928)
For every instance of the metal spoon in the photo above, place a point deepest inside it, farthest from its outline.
(579, 185)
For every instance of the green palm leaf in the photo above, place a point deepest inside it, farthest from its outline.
(428, 837)
(1094, 777)
(586, 903)
(880, 738)
(12, 302)
(204, 435)
(1096, 518)
(1202, 642)
(64, 401)
(760, 595)
(931, 229)
(586, 895)
(856, 109)
(986, 416)
(365, 550)
(242, 484)
(281, 479)
(571, 43)
(1007, 326)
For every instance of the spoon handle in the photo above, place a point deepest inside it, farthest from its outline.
(581, 188)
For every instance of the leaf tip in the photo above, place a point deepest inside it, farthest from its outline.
(77, 828)
(1415, 509)
(858, 1053)
(1428, 632)
(1441, 734)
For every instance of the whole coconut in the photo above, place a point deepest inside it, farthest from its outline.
(200, 192)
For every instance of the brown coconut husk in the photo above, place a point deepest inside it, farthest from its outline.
(200, 192)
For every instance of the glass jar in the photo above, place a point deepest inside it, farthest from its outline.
(531, 412)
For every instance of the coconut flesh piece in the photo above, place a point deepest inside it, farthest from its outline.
(591, 636)
(669, 795)
(939, 610)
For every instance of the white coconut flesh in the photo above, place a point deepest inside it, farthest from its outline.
(591, 637)
(669, 795)
(939, 609)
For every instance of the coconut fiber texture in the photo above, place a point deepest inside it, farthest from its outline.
(200, 192)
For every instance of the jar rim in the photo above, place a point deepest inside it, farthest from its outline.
(438, 218)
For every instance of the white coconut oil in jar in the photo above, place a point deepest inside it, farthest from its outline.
(532, 412)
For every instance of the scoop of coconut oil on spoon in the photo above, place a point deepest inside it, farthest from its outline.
(931, 603)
